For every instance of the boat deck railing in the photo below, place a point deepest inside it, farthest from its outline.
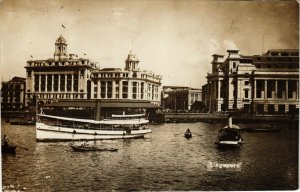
(86, 127)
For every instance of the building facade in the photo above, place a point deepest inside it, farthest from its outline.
(267, 83)
(130, 83)
(67, 77)
(180, 98)
(13, 94)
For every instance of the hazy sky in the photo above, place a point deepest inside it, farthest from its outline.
(173, 38)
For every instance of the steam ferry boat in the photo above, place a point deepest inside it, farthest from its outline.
(57, 128)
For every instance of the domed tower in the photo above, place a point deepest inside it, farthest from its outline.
(131, 62)
(60, 48)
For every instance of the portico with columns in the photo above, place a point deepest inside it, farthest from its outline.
(267, 83)
(65, 76)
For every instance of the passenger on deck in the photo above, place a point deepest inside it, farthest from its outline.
(5, 140)
(83, 143)
(187, 131)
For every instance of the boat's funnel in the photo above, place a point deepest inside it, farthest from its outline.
(229, 121)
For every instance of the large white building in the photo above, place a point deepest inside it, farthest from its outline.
(130, 83)
(67, 77)
(267, 83)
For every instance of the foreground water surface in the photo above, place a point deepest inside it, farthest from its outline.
(163, 160)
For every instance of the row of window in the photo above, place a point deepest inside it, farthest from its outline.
(281, 89)
(58, 63)
(106, 90)
(61, 96)
(278, 66)
(270, 108)
(64, 83)
(125, 75)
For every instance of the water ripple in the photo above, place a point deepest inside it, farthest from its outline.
(164, 160)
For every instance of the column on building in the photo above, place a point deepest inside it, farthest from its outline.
(219, 89)
(254, 92)
(265, 95)
(297, 91)
(276, 89)
(46, 79)
(138, 89)
(79, 84)
(92, 89)
(52, 86)
(58, 82)
(129, 89)
(105, 89)
(276, 94)
(72, 86)
(287, 89)
(32, 82)
(98, 88)
(120, 89)
(85, 83)
(113, 89)
(66, 76)
(266, 89)
(39, 76)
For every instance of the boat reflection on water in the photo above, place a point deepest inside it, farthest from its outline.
(8, 149)
(271, 128)
(87, 147)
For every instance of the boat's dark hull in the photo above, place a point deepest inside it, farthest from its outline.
(8, 149)
(188, 135)
(227, 146)
(90, 148)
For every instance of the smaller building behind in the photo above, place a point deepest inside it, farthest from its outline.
(13, 94)
(180, 98)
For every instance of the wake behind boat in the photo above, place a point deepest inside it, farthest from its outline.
(57, 128)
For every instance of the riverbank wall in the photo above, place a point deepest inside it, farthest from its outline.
(218, 118)
(190, 117)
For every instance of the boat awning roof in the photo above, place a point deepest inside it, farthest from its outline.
(106, 121)
(103, 104)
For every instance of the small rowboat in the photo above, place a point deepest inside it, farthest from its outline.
(86, 147)
(8, 149)
(188, 135)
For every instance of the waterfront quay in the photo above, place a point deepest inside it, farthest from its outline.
(183, 117)
(222, 117)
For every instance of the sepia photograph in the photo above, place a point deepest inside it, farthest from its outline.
(149, 95)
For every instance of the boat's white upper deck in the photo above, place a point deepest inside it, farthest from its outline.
(120, 121)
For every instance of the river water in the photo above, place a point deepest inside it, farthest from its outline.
(163, 160)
